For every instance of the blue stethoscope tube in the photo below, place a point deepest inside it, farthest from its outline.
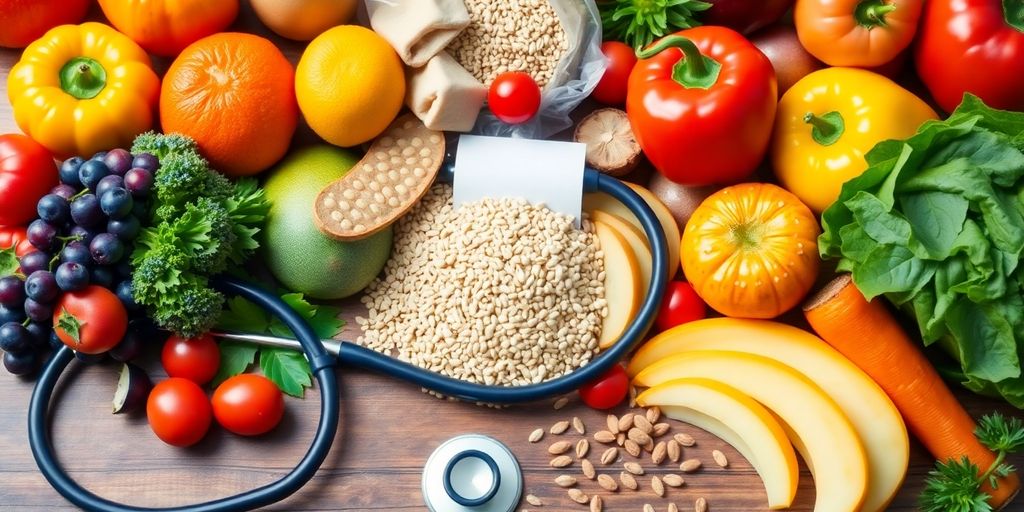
(322, 364)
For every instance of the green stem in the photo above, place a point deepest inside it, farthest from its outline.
(83, 78)
(1000, 458)
(1013, 13)
(871, 13)
(827, 128)
(694, 71)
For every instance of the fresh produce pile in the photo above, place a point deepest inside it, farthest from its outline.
(767, 136)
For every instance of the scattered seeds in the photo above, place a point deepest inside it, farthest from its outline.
(610, 455)
(604, 436)
(649, 446)
(596, 504)
(638, 436)
(628, 481)
(561, 461)
(657, 486)
(648, 507)
(577, 424)
(690, 465)
(588, 469)
(607, 483)
(565, 480)
(674, 450)
(613, 424)
(559, 447)
(533, 500)
(625, 422)
(536, 435)
(673, 480)
(632, 448)
(620, 438)
(659, 453)
(634, 468)
(561, 402)
(582, 447)
(672, 507)
(720, 458)
(660, 429)
(579, 496)
(701, 505)
(684, 439)
(559, 428)
(641, 423)
(653, 414)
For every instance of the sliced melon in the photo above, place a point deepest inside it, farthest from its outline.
(637, 241)
(622, 282)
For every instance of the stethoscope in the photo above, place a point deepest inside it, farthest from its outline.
(325, 357)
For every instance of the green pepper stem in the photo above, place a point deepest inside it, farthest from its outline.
(694, 70)
(827, 128)
(83, 78)
(1013, 12)
(871, 13)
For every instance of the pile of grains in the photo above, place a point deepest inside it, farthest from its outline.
(510, 35)
(496, 292)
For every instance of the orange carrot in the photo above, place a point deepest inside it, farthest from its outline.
(867, 334)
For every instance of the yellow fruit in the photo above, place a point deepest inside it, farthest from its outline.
(303, 20)
(607, 203)
(637, 241)
(350, 85)
(621, 283)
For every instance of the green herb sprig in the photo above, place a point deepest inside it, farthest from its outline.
(639, 22)
(956, 485)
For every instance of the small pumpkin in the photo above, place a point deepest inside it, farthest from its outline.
(750, 250)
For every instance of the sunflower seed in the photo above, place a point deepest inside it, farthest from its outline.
(720, 458)
(658, 487)
(641, 423)
(620, 438)
(579, 496)
(701, 505)
(613, 423)
(561, 402)
(634, 468)
(690, 465)
(628, 481)
(660, 429)
(559, 427)
(648, 507)
(604, 436)
(561, 461)
(610, 455)
(625, 422)
(577, 424)
(674, 451)
(595, 504)
(684, 439)
(607, 483)
(559, 447)
(582, 447)
(533, 500)
(632, 448)
(536, 435)
(672, 507)
(565, 480)
(653, 414)
(649, 445)
(673, 480)
(659, 453)
(588, 469)
(638, 436)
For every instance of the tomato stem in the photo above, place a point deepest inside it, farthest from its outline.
(694, 71)
(871, 13)
(827, 128)
(83, 78)
(1013, 12)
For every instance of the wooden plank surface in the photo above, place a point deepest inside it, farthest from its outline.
(388, 429)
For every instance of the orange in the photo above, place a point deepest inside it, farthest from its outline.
(350, 85)
(303, 20)
(234, 94)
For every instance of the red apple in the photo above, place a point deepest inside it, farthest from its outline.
(745, 16)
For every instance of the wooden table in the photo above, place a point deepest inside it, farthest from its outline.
(388, 429)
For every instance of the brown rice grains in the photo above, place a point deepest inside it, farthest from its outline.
(499, 292)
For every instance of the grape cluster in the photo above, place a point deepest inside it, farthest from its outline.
(83, 235)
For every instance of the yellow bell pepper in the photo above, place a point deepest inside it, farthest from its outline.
(828, 120)
(83, 88)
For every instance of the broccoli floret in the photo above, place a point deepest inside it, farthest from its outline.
(156, 273)
(191, 309)
(212, 257)
(182, 178)
(217, 187)
(161, 145)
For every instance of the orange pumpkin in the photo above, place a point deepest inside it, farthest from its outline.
(750, 250)
(166, 27)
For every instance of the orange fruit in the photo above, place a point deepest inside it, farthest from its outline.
(234, 95)
(303, 20)
(350, 85)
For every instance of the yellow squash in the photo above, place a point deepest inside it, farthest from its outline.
(83, 88)
(827, 122)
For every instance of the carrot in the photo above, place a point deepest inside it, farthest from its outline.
(867, 334)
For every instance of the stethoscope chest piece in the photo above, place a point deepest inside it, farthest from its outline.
(472, 473)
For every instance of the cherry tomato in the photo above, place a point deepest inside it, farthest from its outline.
(680, 305)
(96, 314)
(248, 405)
(27, 172)
(514, 97)
(195, 359)
(608, 391)
(15, 237)
(179, 412)
(611, 90)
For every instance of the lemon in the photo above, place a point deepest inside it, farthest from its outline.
(297, 253)
(350, 85)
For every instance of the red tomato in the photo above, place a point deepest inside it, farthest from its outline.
(248, 405)
(27, 172)
(608, 391)
(514, 97)
(611, 90)
(25, 21)
(680, 305)
(96, 314)
(179, 412)
(15, 237)
(195, 359)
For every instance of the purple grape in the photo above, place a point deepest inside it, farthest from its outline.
(65, 191)
(12, 291)
(106, 249)
(130, 347)
(11, 314)
(42, 234)
(69, 171)
(70, 277)
(53, 209)
(14, 338)
(92, 172)
(37, 311)
(39, 334)
(98, 155)
(83, 235)
(102, 276)
(126, 229)
(118, 161)
(107, 183)
(146, 161)
(41, 286)
(86, 212)
(76, 252)
(33, 261)
(139, 210)
(124, 292)
(123, 269)
(116, 203)
(139, 182)
(21, 364)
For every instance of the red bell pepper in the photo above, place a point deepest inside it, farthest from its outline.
(974, 46)
(702, 103)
